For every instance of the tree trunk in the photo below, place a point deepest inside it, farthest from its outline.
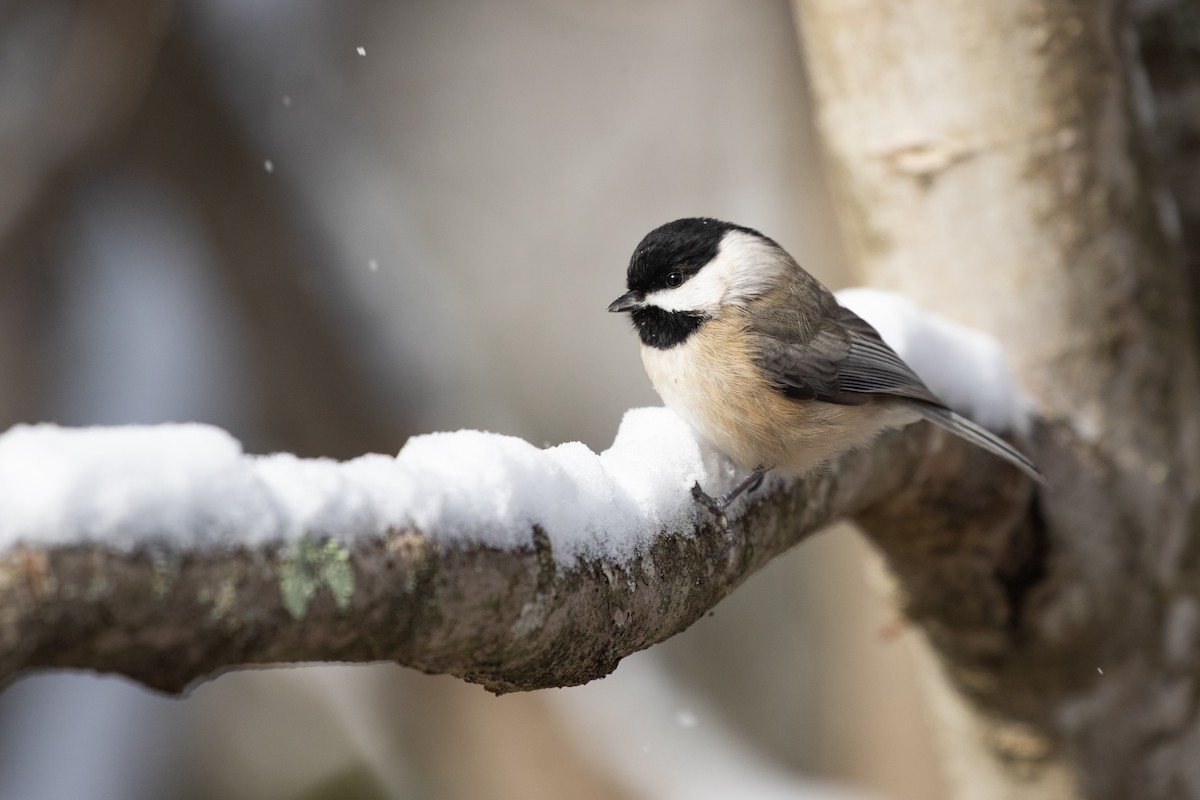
(991, 161)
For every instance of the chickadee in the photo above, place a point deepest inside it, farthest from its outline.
(761, 359)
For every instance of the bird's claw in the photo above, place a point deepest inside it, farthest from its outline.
(707, 500)
(717, 509)
(718, 505)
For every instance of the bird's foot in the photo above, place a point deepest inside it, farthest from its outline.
(717, 506)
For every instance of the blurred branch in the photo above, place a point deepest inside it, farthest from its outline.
(121, 79)
(309, 361)
(88, 84)
(83, 68)
(508, 619)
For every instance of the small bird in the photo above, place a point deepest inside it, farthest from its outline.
(762, 360)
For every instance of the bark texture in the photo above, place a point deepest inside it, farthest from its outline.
(1168, 41)
(510, 620)
(992, 161)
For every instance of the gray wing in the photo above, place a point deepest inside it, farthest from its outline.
(845, 361)
(842, 361)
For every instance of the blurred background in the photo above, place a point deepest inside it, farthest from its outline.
(328, 226)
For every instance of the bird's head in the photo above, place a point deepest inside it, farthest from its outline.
(690, 270)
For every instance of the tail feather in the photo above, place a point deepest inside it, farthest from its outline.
(961, 426)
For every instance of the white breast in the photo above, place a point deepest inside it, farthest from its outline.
(716, 389)
(679, 381)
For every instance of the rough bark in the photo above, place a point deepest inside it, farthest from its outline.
(510, 620)
(1168, 41)
(991, 161)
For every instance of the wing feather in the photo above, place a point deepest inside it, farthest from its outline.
(843, 361)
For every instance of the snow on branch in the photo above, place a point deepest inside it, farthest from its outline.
(167, 554)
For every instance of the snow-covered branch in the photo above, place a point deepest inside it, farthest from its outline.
(192, 578)
(167, 554)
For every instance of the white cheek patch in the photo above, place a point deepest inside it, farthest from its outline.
(745, 267)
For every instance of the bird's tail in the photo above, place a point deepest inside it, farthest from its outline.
(975, 434)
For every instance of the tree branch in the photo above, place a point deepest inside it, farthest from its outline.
(508, 619)
(992, 162)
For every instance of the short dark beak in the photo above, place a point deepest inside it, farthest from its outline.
(627, 302)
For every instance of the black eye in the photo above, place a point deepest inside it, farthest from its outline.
(674, 279)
